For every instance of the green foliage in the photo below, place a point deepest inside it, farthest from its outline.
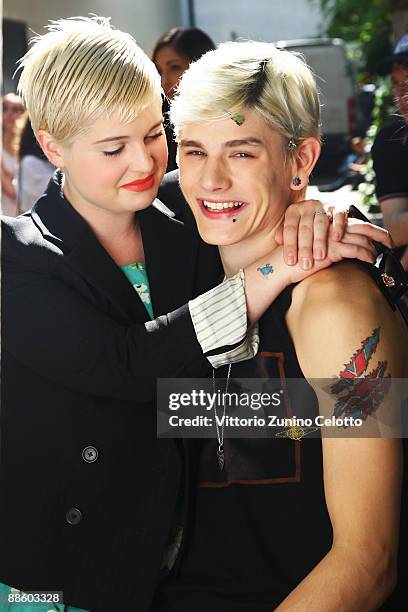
(382, 110)
(367, 23)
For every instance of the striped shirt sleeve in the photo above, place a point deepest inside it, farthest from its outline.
(220, 321)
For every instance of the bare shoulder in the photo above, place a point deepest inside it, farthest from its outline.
(341, 281)
(334, 312)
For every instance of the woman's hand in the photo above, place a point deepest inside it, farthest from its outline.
(354, 245)
(304, 233)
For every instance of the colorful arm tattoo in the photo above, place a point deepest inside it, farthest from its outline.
(359, 396)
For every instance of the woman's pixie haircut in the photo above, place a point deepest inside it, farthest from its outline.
(81, 69)
(238, 75)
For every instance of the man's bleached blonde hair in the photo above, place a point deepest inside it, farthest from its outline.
(81, 69)
(239, 75)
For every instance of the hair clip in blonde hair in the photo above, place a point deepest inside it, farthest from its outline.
(292, 144)
(293, 141)
(239, 119)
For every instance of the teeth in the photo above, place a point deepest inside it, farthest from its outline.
(221, 205)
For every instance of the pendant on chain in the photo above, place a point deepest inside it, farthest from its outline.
(221, 457)
(220, 436)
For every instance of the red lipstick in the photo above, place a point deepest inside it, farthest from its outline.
(140, 184)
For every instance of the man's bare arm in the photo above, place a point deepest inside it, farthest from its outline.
(361, 476)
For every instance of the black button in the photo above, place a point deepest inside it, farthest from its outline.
(90, 454)
(73, 516)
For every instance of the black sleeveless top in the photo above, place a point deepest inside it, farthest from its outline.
(261, 525)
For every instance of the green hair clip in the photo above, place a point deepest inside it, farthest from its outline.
(239, 119)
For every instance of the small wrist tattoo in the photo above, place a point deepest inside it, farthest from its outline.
(265, 270)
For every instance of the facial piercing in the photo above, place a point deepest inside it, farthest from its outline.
(233, 220)
(239, 119)
(296, 181)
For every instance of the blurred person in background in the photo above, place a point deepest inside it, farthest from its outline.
(172, 55)
(12, 110)
(351, 172)
(390, 154)
(174, 52)
(390, 163)
(34, 170)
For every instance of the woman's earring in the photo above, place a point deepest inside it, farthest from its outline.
(296, 181)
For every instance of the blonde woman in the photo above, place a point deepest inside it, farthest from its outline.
(90, 499)
(285, 523)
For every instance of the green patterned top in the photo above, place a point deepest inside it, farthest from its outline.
(137, 276)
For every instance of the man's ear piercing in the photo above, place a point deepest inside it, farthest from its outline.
(296, 181)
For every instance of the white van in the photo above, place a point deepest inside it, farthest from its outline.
(333, 72)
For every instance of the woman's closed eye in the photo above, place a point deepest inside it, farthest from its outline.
(113, 152)
(118, 150)
(155, 136)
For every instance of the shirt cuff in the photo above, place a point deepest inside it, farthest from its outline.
(220, 321)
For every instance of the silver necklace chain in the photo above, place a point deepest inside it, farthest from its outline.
(220, 436)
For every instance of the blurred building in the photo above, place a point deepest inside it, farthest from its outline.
(268, 20)
(146, 20)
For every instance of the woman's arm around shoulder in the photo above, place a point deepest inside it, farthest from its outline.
(52, 328)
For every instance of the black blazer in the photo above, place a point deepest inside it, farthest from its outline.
(87, 492)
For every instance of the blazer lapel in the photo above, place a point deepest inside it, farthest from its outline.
(60, 224)
(171, 257)
(91, 260)
(178, 264)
